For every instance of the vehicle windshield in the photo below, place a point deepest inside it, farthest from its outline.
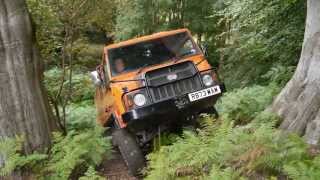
(157, 51)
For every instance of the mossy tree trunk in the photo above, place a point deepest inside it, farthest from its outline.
(24, 109)
(299, 102)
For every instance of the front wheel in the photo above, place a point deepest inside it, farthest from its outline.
(130, 150)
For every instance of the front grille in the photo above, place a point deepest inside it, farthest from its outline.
(161, 88)
(175, 89)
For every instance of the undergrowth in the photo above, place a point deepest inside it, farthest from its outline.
(81, 116)
(70, 156)
(243, 143)
(82, 88)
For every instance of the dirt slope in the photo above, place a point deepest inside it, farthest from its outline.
(115, 168)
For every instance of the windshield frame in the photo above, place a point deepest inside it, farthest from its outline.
(195, 45)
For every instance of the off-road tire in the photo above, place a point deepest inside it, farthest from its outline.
(130, 150)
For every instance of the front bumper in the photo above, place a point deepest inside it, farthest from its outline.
(179, 106)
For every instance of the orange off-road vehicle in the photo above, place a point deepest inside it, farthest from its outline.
(150, 84)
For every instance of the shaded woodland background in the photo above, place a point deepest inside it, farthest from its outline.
(256, 46)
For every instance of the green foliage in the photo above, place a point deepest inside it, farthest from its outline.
(102, 16)
(62, 26)
(80, 112)
(86, 149)
(241, 34)
(48, 29)
(242, 105)
(279, 74)
(254, 42)
(303, 169)
(225, 150)
(88, 56)
(163, 140)
(91, 174)
(82, 87)
(9, 149)
(140, 17)
(81, 116)
(224, 174)
(266, 35)
(129, 19)
(62, 30)
(68, 155)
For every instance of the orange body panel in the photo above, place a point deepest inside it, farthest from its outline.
(116, 89)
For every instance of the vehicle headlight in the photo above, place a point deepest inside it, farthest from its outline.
(139, 99)
(207, 80)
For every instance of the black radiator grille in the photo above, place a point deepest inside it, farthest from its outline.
(174, 89)
(161, 88)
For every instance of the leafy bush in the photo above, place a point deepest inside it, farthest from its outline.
(225, 150)
(242, 105)
(304, 169)
(264, 34)
(82, 87)
(10, 149)
(85, 149)
(91, 174)
(81, 116)
(279, 74)
(88, 56)
(68, 157)
(48, 30)
(74, 108)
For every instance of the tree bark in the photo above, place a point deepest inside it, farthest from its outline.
(299, 102)
(24, 108)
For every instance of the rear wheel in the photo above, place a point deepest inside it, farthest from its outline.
(130, 150)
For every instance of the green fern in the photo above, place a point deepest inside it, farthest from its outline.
(10, 150)
(85, 148)
(228, 148)
(223, 174)
(91, 174)
(77, 149)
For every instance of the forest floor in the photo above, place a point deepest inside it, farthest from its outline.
(115, 168)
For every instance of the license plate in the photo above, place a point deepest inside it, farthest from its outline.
(204, 93)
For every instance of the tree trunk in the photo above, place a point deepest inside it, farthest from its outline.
(299, 102)
(24, 108)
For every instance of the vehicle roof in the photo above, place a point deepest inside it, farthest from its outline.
(145, 38)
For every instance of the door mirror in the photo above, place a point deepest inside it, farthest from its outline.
(204, 48)
(95, 77)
